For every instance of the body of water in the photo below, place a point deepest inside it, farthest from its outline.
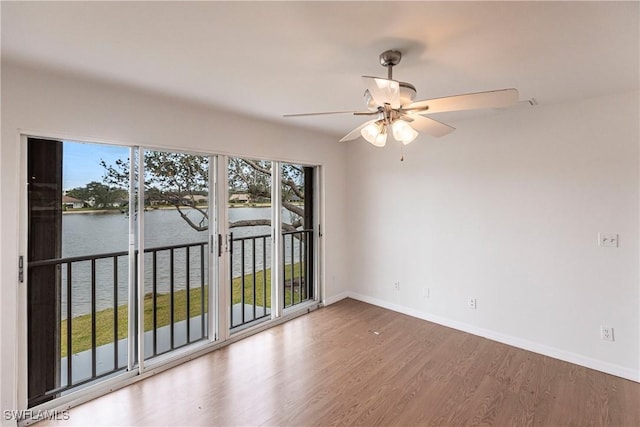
(87, 234)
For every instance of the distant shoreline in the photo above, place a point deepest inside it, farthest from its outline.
(91, 211)
(119, 211)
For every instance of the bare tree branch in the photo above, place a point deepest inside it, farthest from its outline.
(292, 185)
(203, 212)
(190, 222)
(257, 167)
(293, 208)
(288, 182)
(243, 178)
(249, 223)
(287, 227)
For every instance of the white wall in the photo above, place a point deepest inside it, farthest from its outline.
(507, 209)
(49, 102)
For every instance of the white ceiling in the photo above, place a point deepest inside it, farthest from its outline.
(269, 58)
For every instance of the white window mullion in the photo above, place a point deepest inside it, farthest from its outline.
(22, 351)
(277, 291)
(223, 292)
(140, 272)
(317, 231)
(131, 345)
(213, 320)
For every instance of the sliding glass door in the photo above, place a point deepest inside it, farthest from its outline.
(89, 221)
(271, 213)
(124, 249)
(77, 268)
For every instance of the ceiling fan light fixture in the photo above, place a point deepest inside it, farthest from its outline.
(403, 132)
(370, 132)
(375, 133)
(381, 139)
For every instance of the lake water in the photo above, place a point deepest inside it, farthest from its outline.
(89, 234)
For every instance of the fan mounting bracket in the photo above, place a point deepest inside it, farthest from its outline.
(390, 58)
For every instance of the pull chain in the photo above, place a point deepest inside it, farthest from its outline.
(401, 152)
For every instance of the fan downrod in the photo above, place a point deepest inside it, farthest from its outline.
(390, 58)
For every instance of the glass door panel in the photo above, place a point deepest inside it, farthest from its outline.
(77, 268)
(297, 233)
(176, 250)
(249, 213)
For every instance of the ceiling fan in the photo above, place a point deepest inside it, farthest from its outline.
(397, 114)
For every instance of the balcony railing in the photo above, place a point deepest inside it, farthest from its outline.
(250, 279)
(297, 264)
(88, 349)
(93, 331)
(251, 274)
(190, 262)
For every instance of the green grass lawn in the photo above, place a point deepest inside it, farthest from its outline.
(81, 325)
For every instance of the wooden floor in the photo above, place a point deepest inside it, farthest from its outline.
(356, 364)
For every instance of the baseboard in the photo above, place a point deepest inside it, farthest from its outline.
(587, 362)
(335, 298)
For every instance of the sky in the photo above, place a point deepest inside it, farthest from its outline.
(81, 162)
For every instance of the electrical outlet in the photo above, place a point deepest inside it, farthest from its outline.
(608, 240)
(471, 303)
(397, 286)
(606, 333)
(425, 293)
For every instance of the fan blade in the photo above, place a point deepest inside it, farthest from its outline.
(356, 132)
(321, 114)
(428, 125)
(470, 101)
(383, 91)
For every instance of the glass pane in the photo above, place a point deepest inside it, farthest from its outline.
(176, 223)
(250, 226)
(297, 233)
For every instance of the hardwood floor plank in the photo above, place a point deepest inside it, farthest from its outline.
(356, 364)
(537, 393)
(453, 412)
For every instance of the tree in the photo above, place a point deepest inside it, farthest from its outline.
(171, 179)
(80, 193)
(98, 194)
(175, 179)
(252, 177)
